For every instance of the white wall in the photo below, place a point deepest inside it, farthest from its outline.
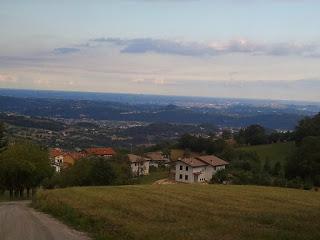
(143, 167)
(206, 172)
(183, 172)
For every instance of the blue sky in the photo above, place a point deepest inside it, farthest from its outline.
(230, 48)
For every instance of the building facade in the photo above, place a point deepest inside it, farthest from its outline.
(198, 169)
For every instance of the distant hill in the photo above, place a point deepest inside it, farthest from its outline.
(101, 110)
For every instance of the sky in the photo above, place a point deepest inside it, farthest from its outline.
(267, 49)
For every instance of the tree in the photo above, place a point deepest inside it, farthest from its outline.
(3, 141)
(277, 169)
(220, 177)
(226, 134)
(305, 162)
(24, 166)
(308, 127)
(267, 166)
(255, 135)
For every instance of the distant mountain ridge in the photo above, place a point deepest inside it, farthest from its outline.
(239, 116)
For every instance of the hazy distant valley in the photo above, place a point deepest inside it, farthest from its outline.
(80, 119)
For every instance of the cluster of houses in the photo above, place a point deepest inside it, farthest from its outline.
(61, 159)
(186, 169)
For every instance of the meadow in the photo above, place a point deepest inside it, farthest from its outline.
(276, 152)
(187, 212)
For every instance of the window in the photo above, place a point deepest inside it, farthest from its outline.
(187, 168)
(186, 177)
(181, 167)
(180, 176)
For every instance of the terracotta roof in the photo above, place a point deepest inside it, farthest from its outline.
(212, 160)
(135, 158)
(156, 156)
(101, 151)
(193, 162)
(55, 152)
(77, 155)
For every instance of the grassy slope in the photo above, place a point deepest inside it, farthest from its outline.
(187, 212)
(154, 176)
(274, 152)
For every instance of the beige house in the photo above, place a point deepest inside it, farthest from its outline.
(158, 159)
(198, 169)
(139, 165)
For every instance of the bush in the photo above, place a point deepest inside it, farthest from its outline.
(221, 176)
(295, 183)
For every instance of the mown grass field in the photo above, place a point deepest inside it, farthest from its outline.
(187, 212)
(154, 176)
(273, 152)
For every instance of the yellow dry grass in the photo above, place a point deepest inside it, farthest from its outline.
(187, 212)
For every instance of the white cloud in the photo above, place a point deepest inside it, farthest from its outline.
(174, 47)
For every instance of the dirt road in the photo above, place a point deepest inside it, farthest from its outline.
(19, 222)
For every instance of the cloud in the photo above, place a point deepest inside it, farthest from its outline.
(7, 78)
(65, 50)
(162, 46)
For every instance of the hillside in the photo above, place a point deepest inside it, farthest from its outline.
(274, 152)
(186, 211)
(240, 116)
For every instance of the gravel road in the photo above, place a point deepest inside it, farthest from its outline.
(20, 222)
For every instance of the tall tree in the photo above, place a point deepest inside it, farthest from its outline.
(253, 135)
(308, 127)
(305, 162)
(24, 166)
(3, 140)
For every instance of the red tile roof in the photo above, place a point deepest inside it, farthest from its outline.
(55, 152)
(203, 161)
(101, 151)
(77, 155)
(193, 162)
(212, 160)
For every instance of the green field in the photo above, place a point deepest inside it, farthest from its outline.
(187, 212)
(274, 152)
(154, 176)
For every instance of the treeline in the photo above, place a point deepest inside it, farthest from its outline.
(257, 135)
(32, 122)
(304, 164)
(93, 171)
(300, 170)
(23, 167)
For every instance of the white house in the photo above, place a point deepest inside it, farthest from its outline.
(139, 165)
(198, 169)
(56, 157)
(158, 159)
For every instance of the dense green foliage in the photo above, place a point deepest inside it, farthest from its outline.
(23, 166)
(93, 171)
(308, 127)
(275, 152)
(187, 211)
(253, 135)
(3, 140)
(304, 163)
(201, 145)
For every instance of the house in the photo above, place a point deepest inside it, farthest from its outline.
(61, 159)
(101, 152)
(56, 157)
(158, 159)
(198, 169)
(139, 165)
(69, 158)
